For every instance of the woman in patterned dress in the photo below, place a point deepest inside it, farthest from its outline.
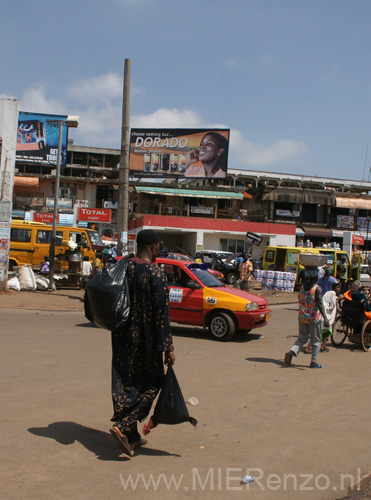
(137, 349)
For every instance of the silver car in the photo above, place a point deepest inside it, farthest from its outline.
(364, 277)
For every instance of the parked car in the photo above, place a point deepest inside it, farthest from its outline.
(181, 256)
(229, 268)
(209, 256)
(197, 298)
(364, 277)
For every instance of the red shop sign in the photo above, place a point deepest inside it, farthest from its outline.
(44, 217)
(95, 214)
(357, 239)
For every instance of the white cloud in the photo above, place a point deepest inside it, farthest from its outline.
(98, 102)
(168, 118)
(250, 154)
(35, 100)
(101, 88)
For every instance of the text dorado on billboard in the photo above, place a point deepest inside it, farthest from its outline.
(37, 138)
(179, 153)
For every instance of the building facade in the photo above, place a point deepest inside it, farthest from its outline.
(194, 214)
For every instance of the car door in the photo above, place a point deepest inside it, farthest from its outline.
(185, 296)
(42, 244)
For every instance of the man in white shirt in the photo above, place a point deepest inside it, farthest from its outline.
(86, 270)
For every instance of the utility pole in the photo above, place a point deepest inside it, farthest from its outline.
(70, 121)
(123, 201)
(8, 132)
(55, 217)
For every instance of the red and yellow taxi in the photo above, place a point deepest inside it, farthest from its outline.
(198, 298)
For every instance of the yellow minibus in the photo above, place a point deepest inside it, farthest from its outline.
(30, 243)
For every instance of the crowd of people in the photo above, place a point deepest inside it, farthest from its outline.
(320, 303)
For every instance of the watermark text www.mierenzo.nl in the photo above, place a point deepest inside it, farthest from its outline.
(229, 479)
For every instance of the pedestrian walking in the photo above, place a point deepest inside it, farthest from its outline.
(143, 346)
(311, 312)
(245, 272)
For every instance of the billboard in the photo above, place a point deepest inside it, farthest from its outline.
(37, 139)
(179, 153)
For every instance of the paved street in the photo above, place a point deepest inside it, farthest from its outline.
(255, 416)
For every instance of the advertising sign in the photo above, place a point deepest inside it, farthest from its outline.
(38, 137)
(288, 213)
(357, 239)
(362, 224)
(345, 221)
(253, 238)
(94, 214)
(179, 153)
(63, 203)
(202, 210)
(47, 218)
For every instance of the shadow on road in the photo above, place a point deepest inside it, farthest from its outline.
(72, 297)
(275, 362)
(98, 442)
(200, 333)
(87, 325)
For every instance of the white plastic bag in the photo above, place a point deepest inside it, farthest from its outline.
(14, 284)
(27, 278)
(329, 301)
(42, 283)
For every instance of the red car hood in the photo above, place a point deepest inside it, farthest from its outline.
(245, 295)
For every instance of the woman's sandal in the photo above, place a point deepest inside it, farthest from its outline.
(122, 441)
(137, 444)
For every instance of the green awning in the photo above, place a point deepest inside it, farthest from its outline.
(193, 193)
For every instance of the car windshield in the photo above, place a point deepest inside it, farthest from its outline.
(223, 255)
(94, 238)
(204, 276)
(179, 256)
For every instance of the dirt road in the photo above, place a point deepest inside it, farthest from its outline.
(302, 433)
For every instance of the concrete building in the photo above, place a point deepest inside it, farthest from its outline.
(213, 214)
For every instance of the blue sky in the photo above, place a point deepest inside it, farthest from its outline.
(290, 78)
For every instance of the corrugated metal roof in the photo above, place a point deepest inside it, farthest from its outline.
(193, 193)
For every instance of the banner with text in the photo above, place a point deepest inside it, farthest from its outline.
(179, 153)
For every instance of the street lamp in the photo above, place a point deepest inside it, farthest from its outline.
(71, 121)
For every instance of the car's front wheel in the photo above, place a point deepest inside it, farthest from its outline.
(231, 278)
(221, 326)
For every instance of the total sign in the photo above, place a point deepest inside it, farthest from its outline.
(95, 214)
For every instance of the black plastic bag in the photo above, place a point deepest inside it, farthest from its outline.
(107, 296)
(170, 407)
